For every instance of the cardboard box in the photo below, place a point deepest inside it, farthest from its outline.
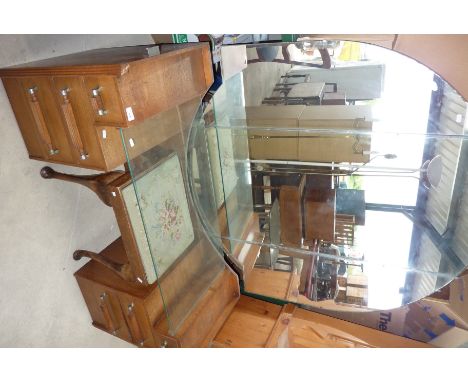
(452, 338)
(458, 299)
(391, 321)
(428, 319)
(425, 320)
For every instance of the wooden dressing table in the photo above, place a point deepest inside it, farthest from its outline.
(126, 106)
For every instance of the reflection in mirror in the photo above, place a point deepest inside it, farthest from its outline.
(339, 171)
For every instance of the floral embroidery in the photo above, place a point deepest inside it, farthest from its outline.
(170, 219)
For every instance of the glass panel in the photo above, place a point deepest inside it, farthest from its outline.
(342, 171)
(233, 152)
(174, 249)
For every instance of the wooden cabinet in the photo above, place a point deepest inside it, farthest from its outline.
(116, 307)
(303, 143)
(319, 215)
(69, 108)
(146, 315)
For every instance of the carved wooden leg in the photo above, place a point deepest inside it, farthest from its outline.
(97, 183)
(123, 270)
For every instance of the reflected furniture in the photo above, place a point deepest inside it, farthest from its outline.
(290, 212)
(302, 143)
(358, 80)
(306, 93)
(319, 215)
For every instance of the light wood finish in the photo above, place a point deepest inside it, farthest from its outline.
(281, 325)
(255, 323)
(69, 108)
(205, 319)
(268, 282)
(249, 324)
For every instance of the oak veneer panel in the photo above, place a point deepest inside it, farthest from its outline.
(269, 283)
(158, 83)
(249, 324)
(210, 312)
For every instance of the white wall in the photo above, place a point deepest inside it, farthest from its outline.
(43, 221)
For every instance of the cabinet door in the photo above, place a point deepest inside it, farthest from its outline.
(47, 119)
(104, 307)
(137, 321)
(78, 119)
(110, 317)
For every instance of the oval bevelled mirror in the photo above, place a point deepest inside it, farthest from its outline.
(338, 171)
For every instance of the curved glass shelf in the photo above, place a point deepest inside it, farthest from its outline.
(338, 185)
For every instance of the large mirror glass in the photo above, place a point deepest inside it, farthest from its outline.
(339, 174)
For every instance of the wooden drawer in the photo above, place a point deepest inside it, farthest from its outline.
(74, 106)
(136, 317)
(69, 108)
(105, 308)
(39, 101)
(104, 97)
(197, 306)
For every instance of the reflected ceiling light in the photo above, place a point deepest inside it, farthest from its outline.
(431, 172)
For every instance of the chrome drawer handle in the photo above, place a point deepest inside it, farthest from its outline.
(96, 100)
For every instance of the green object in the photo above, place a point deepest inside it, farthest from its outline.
(179, 38)
(289, 37)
